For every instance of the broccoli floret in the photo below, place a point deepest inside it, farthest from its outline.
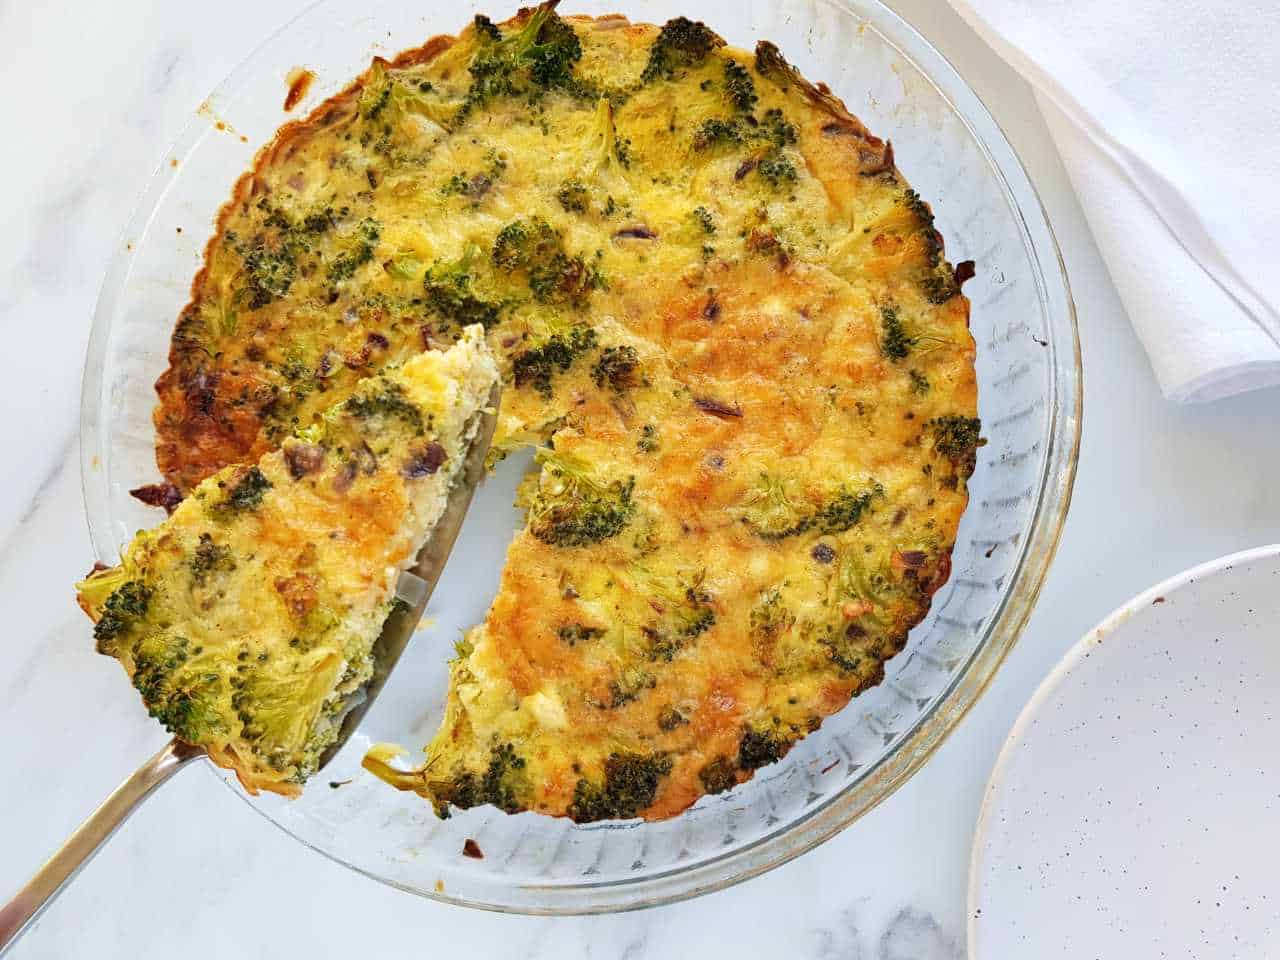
(684, 612)
(704, 220)
(719, 775)
(895, 343)
(537, 366)
(448, 289)
(682, 43)
(573, 634)
(182, 690)
(845, 509)
(717, 132)
(770, 618)
(631, 683)
(739, 87)
(485, 30)
(545, 52)
(386, 401)
(571, 508)
(573, 196)
(270, 273)
(919, 382)
(648, 441)
(759, 748)
(630, 785)
(209, 558)
(617, 367)
(359, 252)
(475, 185)
(123, 608)
(770, 513)
(523, 243)
(247, 493)
(504, 783)
(776, 129)
(957, 438)
(937, 281)
(776, 168)
(554, 277)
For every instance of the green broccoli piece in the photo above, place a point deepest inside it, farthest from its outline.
(448, 289)
(759, 748)
(540, 57)
(359, 252)
(573, 634)
(957, 438)
(895, 343)
(770, 513)
(384, 400)
(207, 559)
(571, 508)
(648, 441)
(485, 29)
(938, 281)
(630, 785)
(739, 87)
(537, 366)
(554, 277)
(270, 273)
(845, 509)
(573, 196)
(123, 608)
(716, 132)
(704, 220)
(504, 784)
(617, 367)
(669, 718)
(719, 775)
(630, 685)
(776, 169)
(183, 690)
(246, 494)
(524, 243)
(684, 613)
(919, 382)
(770, 618)
(776, 129)
(682, 43)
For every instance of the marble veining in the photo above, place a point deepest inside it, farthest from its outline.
(97, 92)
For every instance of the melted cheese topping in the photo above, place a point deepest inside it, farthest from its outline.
(725, 320)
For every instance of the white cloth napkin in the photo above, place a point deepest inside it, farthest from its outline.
(1167, 115)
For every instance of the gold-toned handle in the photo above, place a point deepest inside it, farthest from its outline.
(28, 903)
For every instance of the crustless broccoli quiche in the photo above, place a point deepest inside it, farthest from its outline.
(246, 620)
(726, 324)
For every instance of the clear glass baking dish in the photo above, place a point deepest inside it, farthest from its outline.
(1029, 373)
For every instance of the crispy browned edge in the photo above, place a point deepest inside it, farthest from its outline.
(325, 113)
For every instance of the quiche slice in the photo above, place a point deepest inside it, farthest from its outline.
(724, 320)
(246, 619)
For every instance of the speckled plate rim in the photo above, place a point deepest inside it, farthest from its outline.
(1059, 675)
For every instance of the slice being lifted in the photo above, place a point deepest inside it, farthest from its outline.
(246, 619)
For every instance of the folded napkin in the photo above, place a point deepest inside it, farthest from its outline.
(1167, 115)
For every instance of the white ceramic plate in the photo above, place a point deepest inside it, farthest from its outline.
(1134, 811)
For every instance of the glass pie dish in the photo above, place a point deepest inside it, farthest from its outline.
(1029, 380)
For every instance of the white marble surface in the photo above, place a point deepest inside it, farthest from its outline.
(94, 93)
